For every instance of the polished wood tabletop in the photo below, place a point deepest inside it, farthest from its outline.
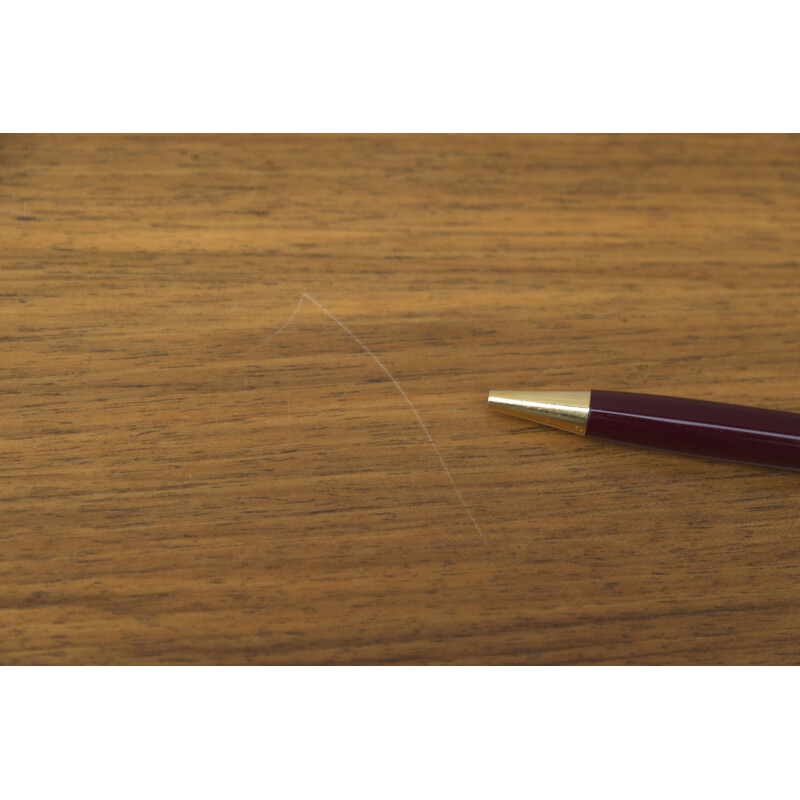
(244, 387)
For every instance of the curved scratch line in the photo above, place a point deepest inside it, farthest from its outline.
(399, 388)
(285, 324)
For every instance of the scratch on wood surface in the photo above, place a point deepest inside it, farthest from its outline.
(305, 296)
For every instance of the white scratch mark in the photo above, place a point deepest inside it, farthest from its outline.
(285, 324)
(397, 386)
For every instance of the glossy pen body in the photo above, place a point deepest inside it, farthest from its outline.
(694, 427)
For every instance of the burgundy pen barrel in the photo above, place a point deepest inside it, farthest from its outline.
(697, 427)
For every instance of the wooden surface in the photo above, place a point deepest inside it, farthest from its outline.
(182, 484)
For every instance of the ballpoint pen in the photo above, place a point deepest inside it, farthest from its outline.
(695, 427)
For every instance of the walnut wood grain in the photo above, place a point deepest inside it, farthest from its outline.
(180, 486)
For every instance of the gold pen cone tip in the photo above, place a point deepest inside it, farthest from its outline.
(568, 411)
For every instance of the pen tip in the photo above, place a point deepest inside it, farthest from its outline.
(565, 410)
